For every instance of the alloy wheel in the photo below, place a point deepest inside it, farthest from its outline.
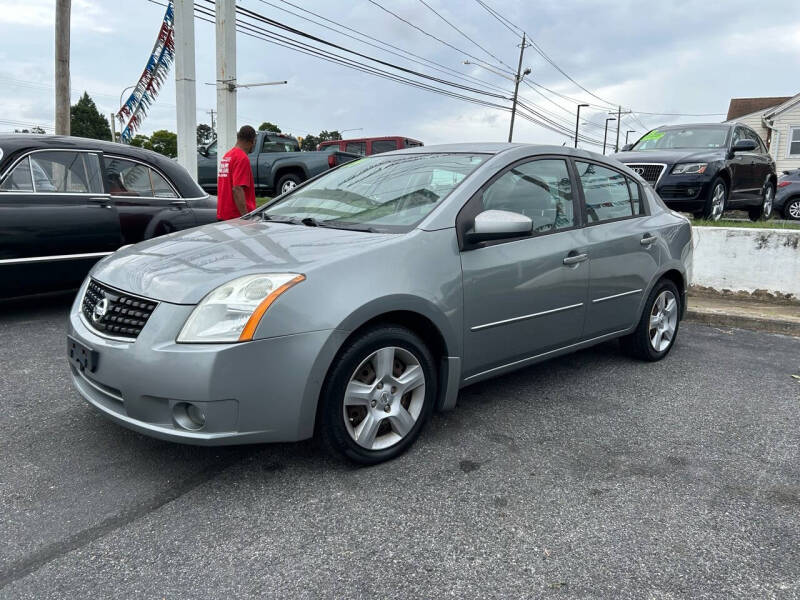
(769, 197)
(384, 398)
(288, 186)
(793, 210)
(717, 202)
(663, 321)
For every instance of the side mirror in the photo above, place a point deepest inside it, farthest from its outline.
(626, 148)
(203, 152)
(744, 146)
(498, 225)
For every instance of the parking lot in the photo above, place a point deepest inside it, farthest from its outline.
(589, 476)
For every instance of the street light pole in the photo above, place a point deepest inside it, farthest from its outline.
(605, 135)
(577, 122)
(626, 135)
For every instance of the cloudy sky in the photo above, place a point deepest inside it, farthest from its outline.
(651, 57)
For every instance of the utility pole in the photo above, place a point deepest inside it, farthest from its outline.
(185, 86)
(212, 112)
(619, 121)
(113, 127)
(605, 135)
(517, 79)
(577, 122)
(226, 76)
(63, 8)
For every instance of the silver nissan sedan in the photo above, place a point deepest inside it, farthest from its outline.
(359, 303)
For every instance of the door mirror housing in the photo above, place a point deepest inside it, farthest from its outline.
(498, 225)
(744, 146)
(203, 151)
(626, 148)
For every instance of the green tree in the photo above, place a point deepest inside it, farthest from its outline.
(141, 141)
(310, 141)
(86, 121)
(164, 142)
(267, 126)
(34, 129)
(205, 135)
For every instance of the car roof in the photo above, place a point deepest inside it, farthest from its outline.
(496, 148)
(686, 125)
(12, 144)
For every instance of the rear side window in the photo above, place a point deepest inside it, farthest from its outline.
(606, 193)
(133, 179)
(356, 147)
(540, 189)
(57, 173)
(379, 146)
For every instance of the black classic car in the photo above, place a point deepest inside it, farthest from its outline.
(66, 202)
(706, 169)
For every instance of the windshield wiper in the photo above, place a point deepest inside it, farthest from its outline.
(279, 219)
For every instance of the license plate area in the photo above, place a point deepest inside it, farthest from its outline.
(81, 356)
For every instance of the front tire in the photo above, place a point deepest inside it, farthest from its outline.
(791, 210)
(658, 326)
(377, 396)
(764, 211)
(716, 201)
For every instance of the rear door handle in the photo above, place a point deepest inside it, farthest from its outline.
(648, 239)
(574, 259)
(101, 202)
(179, 203)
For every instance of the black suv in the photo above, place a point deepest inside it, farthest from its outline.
(706, 169)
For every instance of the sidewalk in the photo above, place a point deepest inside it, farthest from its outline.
(726, 311)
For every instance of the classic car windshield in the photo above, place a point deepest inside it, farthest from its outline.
(383, 193)
(683, 138)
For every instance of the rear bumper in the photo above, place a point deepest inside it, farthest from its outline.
(260, 391)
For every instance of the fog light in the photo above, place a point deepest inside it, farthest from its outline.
(188, 416)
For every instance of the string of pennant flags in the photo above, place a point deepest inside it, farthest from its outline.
(135, 108)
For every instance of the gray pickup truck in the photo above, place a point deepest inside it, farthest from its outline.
(277, 162)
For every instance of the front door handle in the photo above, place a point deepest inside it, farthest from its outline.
(179, 203)
(574, 259)
(648, 239)
(101, 202)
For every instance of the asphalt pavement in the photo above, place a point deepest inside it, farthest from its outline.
(590, 476)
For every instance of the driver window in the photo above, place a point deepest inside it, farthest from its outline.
(539, 189)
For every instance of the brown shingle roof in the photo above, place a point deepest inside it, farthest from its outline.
(744, 106)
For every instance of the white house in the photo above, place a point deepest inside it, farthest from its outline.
(777, 120)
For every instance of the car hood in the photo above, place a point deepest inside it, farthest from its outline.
(183, 267)
(670, 157)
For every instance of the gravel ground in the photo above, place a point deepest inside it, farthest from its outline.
(588, 476)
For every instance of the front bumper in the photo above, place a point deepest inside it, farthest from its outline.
(684, 192)
(260, 391)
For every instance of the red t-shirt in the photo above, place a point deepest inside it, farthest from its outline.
(234, 169)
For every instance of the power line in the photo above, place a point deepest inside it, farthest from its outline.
(503, 21)
(434, 11)
(449, 45)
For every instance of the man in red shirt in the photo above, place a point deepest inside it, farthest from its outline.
(236, 193)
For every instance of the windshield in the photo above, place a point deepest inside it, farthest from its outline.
(380, 193)
(684, 138)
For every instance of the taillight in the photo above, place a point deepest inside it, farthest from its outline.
(331, 160)
(784, 183)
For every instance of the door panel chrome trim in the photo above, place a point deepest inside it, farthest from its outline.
(530, 358)
(604, 298)
(52, 257)
(525, 317)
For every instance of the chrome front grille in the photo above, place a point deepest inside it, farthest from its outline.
(115, 313)
(651, 173)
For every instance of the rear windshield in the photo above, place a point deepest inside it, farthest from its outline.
(684, 138)
(382, 193)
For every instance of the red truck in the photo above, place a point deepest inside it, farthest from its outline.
(373, 145)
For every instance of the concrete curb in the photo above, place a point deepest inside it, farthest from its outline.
(756, 323)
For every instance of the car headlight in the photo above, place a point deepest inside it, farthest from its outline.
(232, 312)
(689, 169)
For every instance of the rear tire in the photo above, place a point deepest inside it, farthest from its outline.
(658, 326)
(763, 212)
(717, 200)
(379, 392)
(287, 183)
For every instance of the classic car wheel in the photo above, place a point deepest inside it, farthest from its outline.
(764, 211)
(658, 326)
(717, 199)
(792, 209)
(378, 395)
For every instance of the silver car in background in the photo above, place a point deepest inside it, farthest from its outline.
(362, 301)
